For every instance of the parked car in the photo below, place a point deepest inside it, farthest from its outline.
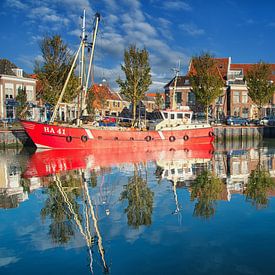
(267, 120)
(237, 121)
(264, 120)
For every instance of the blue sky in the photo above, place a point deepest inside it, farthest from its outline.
(170, 30)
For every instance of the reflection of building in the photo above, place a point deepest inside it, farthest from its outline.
(182, 171)
(235, 166)
(12, 189)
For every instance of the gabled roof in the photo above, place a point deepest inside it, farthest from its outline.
(246, 67)
(6, 68)
(221, 67)
(181, 81)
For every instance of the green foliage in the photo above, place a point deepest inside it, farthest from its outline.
(206, 82)
(21, 99)
(137, 73)
(260, 89)
(140, 201)
(61, 228)
(259, 183)
(159, 101)
(206, 189)
(90, 102)
(54, 69)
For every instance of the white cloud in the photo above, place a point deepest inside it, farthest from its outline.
(16, 4)
(177, 5)
(191, 29)
(4, 261)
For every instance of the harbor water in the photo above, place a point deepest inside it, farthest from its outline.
(203, 212)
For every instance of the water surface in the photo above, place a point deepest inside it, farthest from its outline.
(169, 212)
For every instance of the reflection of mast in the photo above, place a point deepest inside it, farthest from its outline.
(176, 198)
(100, 246)
(86, 236)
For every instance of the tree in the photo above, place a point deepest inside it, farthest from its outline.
(205, 80)
(159, 101)
(140, 201)
(54, 69)
(206, 189)
(21, 100)
(137, 73)
(259, 183)
(260, 88)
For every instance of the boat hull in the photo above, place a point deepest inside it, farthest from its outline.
(61, 137)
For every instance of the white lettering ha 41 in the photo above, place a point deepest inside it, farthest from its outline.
(51, 130)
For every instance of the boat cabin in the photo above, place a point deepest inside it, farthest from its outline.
(171, 118)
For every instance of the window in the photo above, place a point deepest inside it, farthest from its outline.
(236, 97)
(244, 97)
(172, 116)
(245, 112)
(30, 93)
(219, 100)
(191, 98)
(165, 115)
(187, 116)
(180, 116)
(178, 97)
(236, 111)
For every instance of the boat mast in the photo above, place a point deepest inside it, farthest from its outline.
(81, 46)
(176, 70)
(82, 68)
(97, 19)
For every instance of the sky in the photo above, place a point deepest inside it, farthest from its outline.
(171, 31)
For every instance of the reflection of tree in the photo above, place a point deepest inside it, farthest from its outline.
(206, 189)
(61, 227)
(258, 184)
(140, 201)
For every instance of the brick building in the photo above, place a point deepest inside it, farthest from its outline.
(234, 100)
(108, 102)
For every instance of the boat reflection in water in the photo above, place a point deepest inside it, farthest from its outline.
(70, 175)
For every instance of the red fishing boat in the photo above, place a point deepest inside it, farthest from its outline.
(171, 127)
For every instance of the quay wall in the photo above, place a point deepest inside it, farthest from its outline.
(14, 139)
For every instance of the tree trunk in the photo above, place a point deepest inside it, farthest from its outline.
(134, 113)
(207, 114)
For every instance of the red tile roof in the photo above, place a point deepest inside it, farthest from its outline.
(221, 66)
(103, 92)
(247, 67)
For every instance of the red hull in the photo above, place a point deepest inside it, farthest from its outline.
(61, 137)
(55, 161)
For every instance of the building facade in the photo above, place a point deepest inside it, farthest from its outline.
(10, 85)
(234, 100)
